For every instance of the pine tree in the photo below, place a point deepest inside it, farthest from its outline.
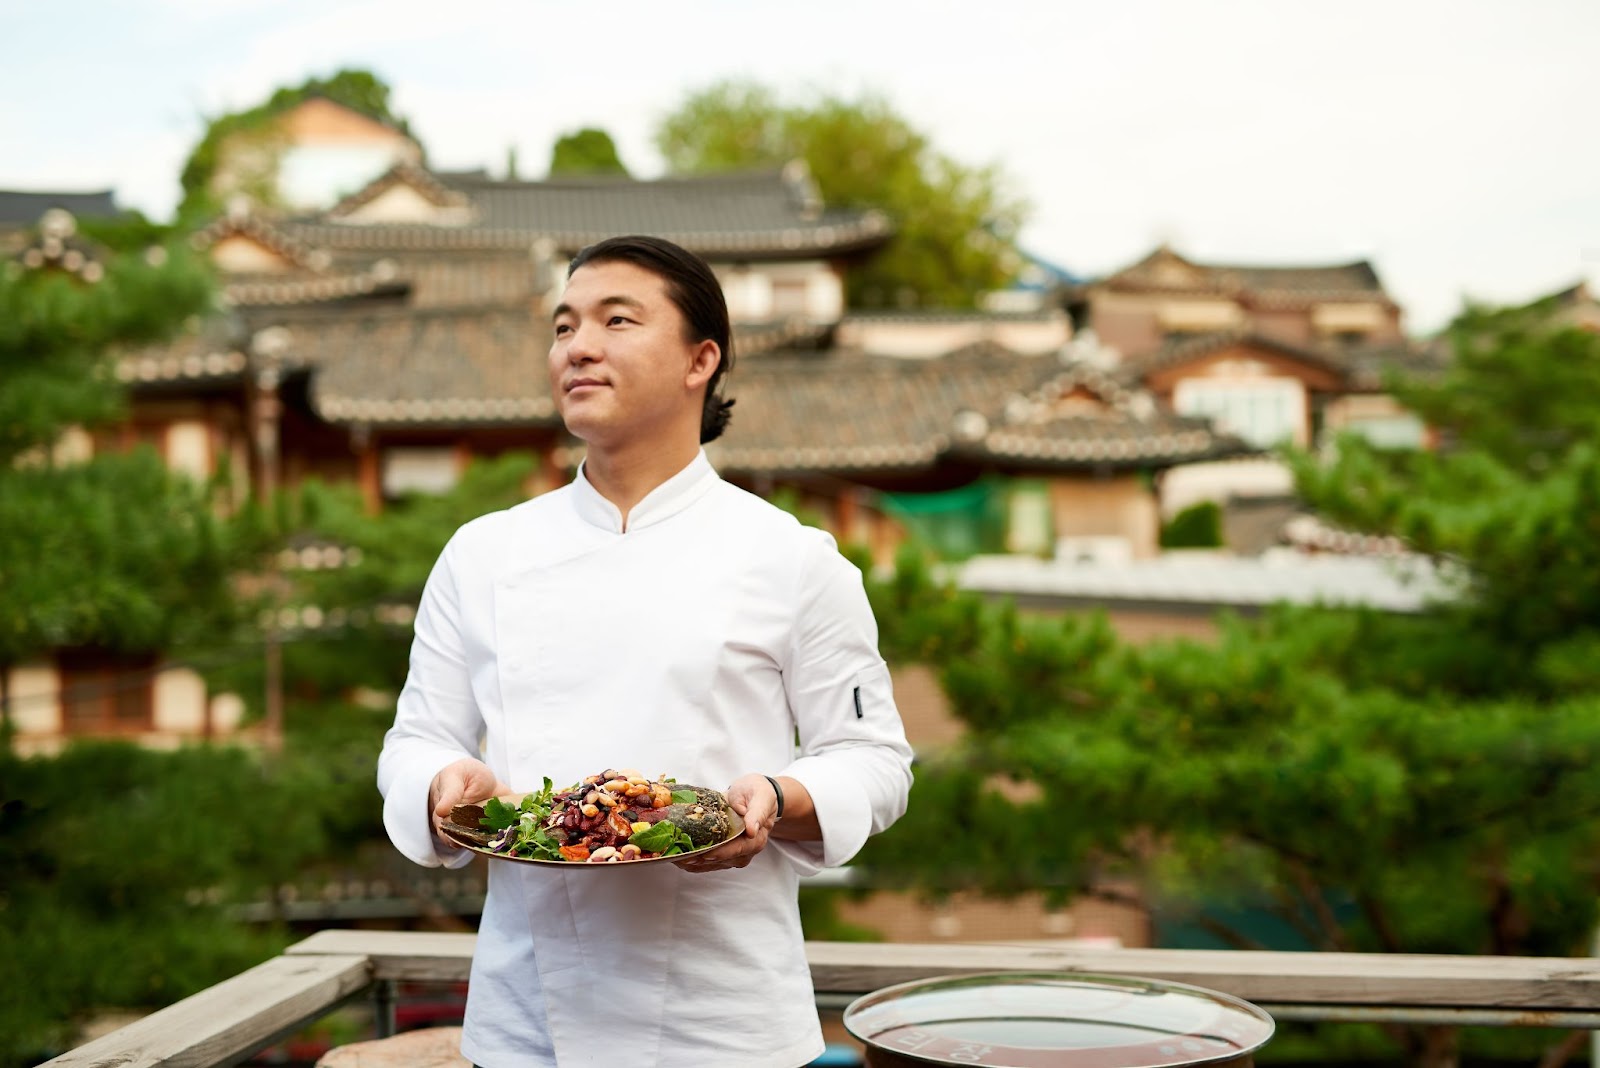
(114, 552)
(1351, 780)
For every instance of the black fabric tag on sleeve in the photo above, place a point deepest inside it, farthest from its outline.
(858, 702)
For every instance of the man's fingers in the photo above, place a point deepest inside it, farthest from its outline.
(735, 854)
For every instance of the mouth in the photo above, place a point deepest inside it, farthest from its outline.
(578, 384)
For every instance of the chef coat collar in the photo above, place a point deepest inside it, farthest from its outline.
(663, 502)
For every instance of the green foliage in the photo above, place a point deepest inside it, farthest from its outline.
(123, 863)
(955, 223)
(57, 334)
(1198, 526)
(252, 132)
(366, 636)
(819, 918)
(115, 552)
(1513, 503)
(120, 864)
(1518, 391)
(1422, 783)
(585, 151)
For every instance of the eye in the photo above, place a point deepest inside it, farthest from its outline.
(615, 319)
(562, 328)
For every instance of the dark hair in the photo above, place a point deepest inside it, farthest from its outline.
(698, 296)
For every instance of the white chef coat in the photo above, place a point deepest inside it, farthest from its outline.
(700, 644)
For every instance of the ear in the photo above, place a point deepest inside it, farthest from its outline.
(704, 360)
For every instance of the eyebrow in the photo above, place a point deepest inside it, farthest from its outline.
(627, 302)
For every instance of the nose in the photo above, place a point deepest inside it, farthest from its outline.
(583, 344)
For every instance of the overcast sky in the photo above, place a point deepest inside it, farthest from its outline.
(1454, 144)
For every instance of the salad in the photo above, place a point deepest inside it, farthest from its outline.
(612, 817)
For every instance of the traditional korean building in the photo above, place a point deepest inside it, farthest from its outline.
(1573, 306)
(1268, 351)
(1271, 355)
(392, 338)
(306, 156)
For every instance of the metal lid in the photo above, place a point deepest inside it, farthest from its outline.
(1057, 1020)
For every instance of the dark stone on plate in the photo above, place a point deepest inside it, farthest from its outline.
(464, 823)
(706, 821)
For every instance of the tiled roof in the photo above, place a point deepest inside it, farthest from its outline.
(57, 247)
(455, 367)
(313, 275)
(1083, 415)
(259, 291)
(755, 338)
(482, 278)
(762, 215)
(1357, 276)
(1166, 271)
(1368, 365)
(1180, 350)
(1363, 366)
(430, 186)
(943, 316)
(24, 207)
(834, 411)
(850, 412)
(840, 411)
(208, 354)
(243, 222)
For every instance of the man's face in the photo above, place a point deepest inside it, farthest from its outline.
(620, 367)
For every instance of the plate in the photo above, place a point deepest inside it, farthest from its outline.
(466, 835)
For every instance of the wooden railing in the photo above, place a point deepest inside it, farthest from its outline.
(228, 1022)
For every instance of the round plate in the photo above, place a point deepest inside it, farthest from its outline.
(466, 837)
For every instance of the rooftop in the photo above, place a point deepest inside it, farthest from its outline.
(769, 214)
(1165, 270)
(19, 208)
(1212, 580)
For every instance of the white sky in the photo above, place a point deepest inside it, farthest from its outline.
(1452, 143)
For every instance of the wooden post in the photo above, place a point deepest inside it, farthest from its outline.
(369, 474)
(267, 411)
(845, 508)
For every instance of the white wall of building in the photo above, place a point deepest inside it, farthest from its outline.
(36, 699)
(179, 701)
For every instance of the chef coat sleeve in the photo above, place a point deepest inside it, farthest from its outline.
(854, 760)
(436, 722)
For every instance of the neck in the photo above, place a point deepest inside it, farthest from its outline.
(625, 475)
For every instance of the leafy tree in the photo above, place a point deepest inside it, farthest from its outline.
(363, 595)
(585, 151)
(1198, 526)
(115, 552)
(1372, 782)
(955, 223)
(121, 864)
(251, 135)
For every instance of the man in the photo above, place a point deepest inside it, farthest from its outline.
(647, 615)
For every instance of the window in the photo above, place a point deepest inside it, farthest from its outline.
(1391, 432)
(1263, 412)
(105, 693)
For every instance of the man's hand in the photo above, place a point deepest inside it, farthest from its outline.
(751, 797)
(465, 780)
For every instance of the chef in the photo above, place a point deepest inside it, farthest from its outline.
(648, 615)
